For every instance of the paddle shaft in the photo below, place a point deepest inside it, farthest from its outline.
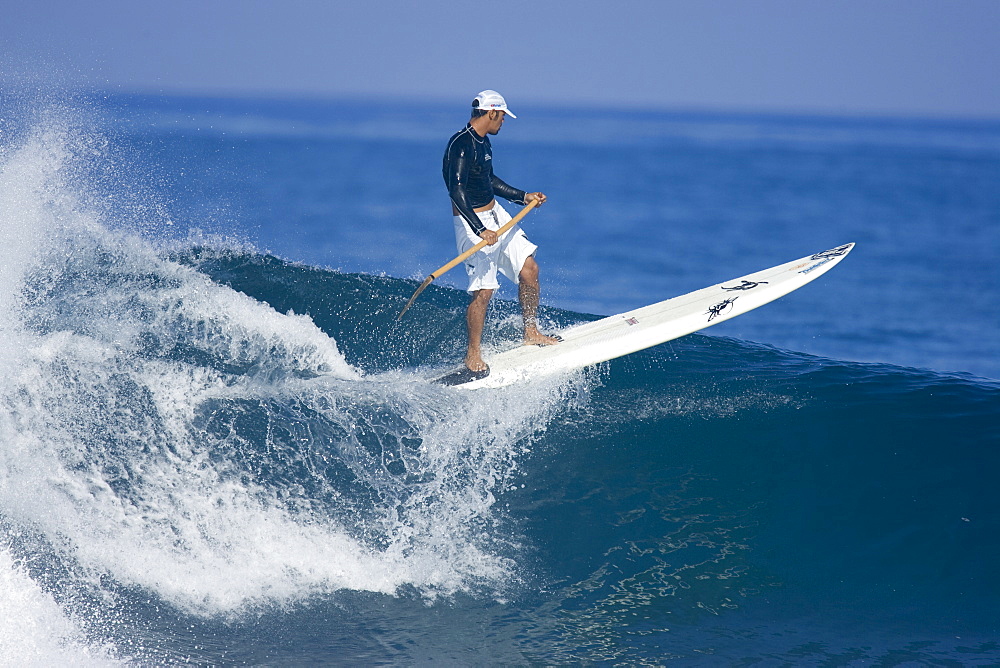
(506, 226)
(451, 265)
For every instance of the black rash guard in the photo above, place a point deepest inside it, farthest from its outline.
(468, 173)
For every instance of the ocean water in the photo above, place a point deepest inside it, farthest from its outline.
(219, 447)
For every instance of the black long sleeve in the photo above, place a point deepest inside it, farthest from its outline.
(468, 173)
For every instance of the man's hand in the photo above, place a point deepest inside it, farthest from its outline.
(531, 197)
(489, 236)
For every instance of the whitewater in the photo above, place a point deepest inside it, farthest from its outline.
(212, 453)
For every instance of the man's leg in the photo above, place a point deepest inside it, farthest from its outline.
(475, 319)
(529, 290)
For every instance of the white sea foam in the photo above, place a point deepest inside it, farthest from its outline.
(34, 630)
(183, 439)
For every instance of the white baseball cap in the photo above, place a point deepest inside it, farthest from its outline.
(491, 100)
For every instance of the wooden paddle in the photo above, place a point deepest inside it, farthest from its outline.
(451, 265)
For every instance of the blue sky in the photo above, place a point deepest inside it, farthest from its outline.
(882, 57)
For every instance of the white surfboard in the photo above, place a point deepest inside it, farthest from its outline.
(618, 335)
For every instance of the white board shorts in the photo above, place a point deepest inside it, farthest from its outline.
(507, 256)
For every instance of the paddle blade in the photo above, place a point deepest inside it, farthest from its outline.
(427, 281)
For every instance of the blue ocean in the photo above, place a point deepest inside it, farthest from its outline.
(218, 446)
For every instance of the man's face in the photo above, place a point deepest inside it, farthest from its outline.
(496, 121)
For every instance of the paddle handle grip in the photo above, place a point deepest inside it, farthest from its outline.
(506, 226)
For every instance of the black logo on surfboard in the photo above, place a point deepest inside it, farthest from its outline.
(833, 252)
(746, 285)
(721, 308)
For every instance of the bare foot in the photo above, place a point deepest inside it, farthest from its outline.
(536, 338)
(475, 363)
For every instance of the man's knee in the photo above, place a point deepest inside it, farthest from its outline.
(481, 296)
(529, 272)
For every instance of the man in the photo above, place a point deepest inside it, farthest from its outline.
(468, 173)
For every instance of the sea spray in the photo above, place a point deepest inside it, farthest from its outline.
(36, 630)
(171, 435)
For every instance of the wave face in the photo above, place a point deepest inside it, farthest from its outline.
(168, 434)
(208, 442)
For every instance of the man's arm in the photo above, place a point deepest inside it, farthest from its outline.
(512, 194)
(509, 193)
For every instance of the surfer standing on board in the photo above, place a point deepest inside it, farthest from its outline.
(468, 173)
